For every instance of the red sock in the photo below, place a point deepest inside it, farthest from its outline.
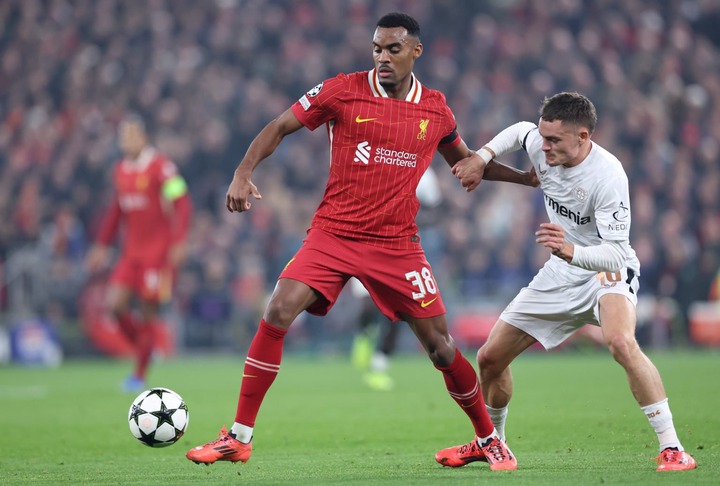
(261, 367)
(144, 345)
(464, 387)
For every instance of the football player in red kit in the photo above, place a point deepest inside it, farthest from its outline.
(153, 207)
(383, 128)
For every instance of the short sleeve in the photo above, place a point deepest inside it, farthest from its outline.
(451, 137)
(318, 106)
(167, 170)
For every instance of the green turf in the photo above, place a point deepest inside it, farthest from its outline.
(572, 421)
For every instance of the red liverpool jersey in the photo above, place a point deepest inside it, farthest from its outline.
(379, 149)
(139, 205)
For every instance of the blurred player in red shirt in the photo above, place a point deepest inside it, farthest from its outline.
(153, 207)
(384, 128)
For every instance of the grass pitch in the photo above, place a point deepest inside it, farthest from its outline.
(572, 421)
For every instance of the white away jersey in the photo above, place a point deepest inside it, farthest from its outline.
(591, 201)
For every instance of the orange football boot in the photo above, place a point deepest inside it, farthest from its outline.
(672, 459)
(224, 448)
(495, 452)
(458, 456)
(499, 455)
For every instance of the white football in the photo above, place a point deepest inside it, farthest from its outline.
(158, 417)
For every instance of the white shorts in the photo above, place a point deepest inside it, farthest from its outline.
(551, 313)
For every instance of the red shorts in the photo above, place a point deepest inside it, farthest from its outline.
(150, 282)
(399, 281)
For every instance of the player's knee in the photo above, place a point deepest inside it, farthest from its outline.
(488, 362)
(441, 352)
(279, 313)
(622, 347)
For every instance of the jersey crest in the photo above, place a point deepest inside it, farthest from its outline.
(423, 129)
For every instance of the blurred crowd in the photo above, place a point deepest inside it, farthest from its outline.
(207, 76)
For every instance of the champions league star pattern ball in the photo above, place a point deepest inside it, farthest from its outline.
(158, 417)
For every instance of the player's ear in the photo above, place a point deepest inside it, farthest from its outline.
(584, 135)
(417, 52)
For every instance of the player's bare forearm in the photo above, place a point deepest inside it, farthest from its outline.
(466, 165)
(177, 254)
(97, 258)
(264, 144)
(455, 154)
(496, 171)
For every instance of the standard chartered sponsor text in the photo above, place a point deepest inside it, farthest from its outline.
(394, 157)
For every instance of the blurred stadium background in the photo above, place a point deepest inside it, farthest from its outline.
(207, 76)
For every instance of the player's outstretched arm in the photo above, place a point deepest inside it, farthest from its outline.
(496, 171)
(264, 144)
(466, 165)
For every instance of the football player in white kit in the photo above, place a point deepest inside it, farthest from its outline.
(591, 276)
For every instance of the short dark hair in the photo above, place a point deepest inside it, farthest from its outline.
(399, 19)
(572, 108)
(133, 118)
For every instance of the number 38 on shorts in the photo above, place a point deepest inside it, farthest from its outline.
(423, 281)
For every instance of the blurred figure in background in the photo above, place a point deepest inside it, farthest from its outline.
(152, 205)
(376, 339)
(374, 342)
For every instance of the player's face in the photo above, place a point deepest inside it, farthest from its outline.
(563, 143)
(394, 52)
(132, 139)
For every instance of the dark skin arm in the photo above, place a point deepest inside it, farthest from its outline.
(461, 154)
(262, 146)
(495, 171)
(471, 171)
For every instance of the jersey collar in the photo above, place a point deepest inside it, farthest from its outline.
(142, 162)
(413, 95)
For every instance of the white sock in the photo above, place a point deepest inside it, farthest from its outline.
(243, 433)
(498, 417)
(483, 441)
(379, 362)
(660, 418)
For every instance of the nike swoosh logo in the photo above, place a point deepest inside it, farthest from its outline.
(424, 304)
(363, 120)
(248, 376)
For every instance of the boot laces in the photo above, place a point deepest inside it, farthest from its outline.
(470, 448)
(669, 455)
(223, 437)
(496, 450)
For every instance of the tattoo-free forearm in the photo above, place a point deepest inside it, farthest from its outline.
(495, 171)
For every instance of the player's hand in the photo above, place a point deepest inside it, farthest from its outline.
(469, 171)
(96, 259)
(240, 190)
(177, 254)
(532, 179)
(552, 236)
